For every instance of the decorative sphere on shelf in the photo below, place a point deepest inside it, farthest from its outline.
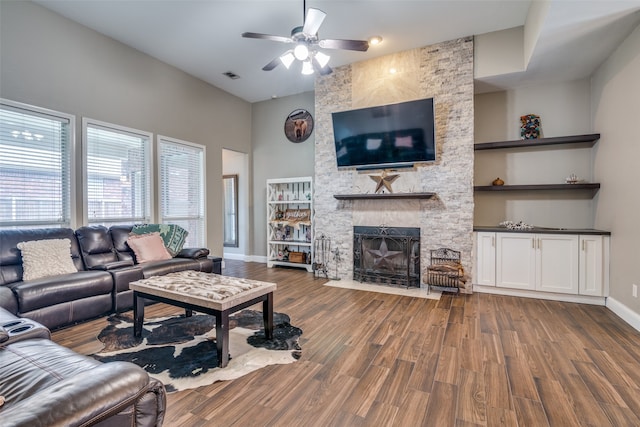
(497, 181)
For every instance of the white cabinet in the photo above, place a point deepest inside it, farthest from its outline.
(290, 222)
(592, 265)
(556, 263)
(515, 261)
(486, 259)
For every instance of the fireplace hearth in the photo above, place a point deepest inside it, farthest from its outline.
(387, 255)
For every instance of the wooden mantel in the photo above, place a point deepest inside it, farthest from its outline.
(384, 196)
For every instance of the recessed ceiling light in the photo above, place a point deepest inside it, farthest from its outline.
(375, 40)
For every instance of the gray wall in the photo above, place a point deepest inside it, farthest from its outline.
(274, 156)
(615, 106)
(52, 62)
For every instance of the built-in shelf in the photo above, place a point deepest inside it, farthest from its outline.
(587, 140)
(593, 187)
(382, 196)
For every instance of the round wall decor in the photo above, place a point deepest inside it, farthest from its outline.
(298, 125)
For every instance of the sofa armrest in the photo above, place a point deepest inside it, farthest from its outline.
(86, 399)
(193, 253)
(113, 265)
(8, 300)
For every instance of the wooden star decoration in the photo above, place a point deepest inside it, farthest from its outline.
(384, 180)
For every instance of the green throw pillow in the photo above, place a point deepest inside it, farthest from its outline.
(172, 235)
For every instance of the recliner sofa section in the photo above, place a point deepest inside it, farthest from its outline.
(105, 263)
(45, 384)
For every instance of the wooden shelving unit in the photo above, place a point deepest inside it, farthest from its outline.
(572, 141)
(587, 140)
(283, 195)
(591, 187)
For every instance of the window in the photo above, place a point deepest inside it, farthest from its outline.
(117, 174)
(36, 169)
(230, 210)
(182, 187)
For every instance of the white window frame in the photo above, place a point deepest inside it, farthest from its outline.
(165, 139)
(71, 159)
(150, 215)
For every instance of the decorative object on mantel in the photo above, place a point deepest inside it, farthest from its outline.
(515, 225)
(497, 181)
(572, 179)
(384, 180)
(530, 126)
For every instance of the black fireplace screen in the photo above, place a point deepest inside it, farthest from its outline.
(387, 255)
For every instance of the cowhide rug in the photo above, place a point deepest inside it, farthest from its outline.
(181, 351)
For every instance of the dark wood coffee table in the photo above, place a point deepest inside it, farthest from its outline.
(208, 293)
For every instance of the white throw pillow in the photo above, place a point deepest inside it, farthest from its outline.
(44, 258)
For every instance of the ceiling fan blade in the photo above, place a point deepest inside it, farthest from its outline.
(271, 65)
(360, 45)
(267, 37)
(323, 71)
(313, 21)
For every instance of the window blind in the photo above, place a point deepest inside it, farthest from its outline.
(181, 180)
(118, 171)
(35, 167)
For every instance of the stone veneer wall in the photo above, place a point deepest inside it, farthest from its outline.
(443, 71)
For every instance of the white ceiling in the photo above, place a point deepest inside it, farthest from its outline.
(203, 37)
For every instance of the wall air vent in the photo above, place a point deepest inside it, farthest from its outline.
(231, 75)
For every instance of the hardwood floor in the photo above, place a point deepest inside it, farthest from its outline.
(372, 359)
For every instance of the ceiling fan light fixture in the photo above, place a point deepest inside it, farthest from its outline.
(301, 52)
(322, 59)
(307, 68)
(375, 40)
(287, 59)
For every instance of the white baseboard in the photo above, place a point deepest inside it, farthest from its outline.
(624, 312)
(582, 299)
(246, 258)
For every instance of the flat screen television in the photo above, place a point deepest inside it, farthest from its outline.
(386, 136)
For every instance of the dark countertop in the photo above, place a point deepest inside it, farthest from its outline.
(543, 230)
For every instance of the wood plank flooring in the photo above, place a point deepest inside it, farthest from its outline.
(372, 359)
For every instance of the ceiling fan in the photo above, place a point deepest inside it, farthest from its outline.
(306, 41)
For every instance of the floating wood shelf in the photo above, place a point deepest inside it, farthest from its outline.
(392, 196)
(593, 187)
(587, 140)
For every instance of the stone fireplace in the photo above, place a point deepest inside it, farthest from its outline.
(443, 71)
(387, 255)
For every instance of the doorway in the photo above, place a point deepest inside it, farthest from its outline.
(235, 171)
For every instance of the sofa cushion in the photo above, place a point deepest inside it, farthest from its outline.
(45, 292)
(96, 246)
(44, 258)
(148, 247)
(119, 236)
(11, 259)
(172, 235)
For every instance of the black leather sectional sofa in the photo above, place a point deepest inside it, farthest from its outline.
(45, 384)
(105, 263)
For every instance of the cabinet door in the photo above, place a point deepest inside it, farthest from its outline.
(515, 260)
(591, 265)
(486, 259)
(557, 263)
